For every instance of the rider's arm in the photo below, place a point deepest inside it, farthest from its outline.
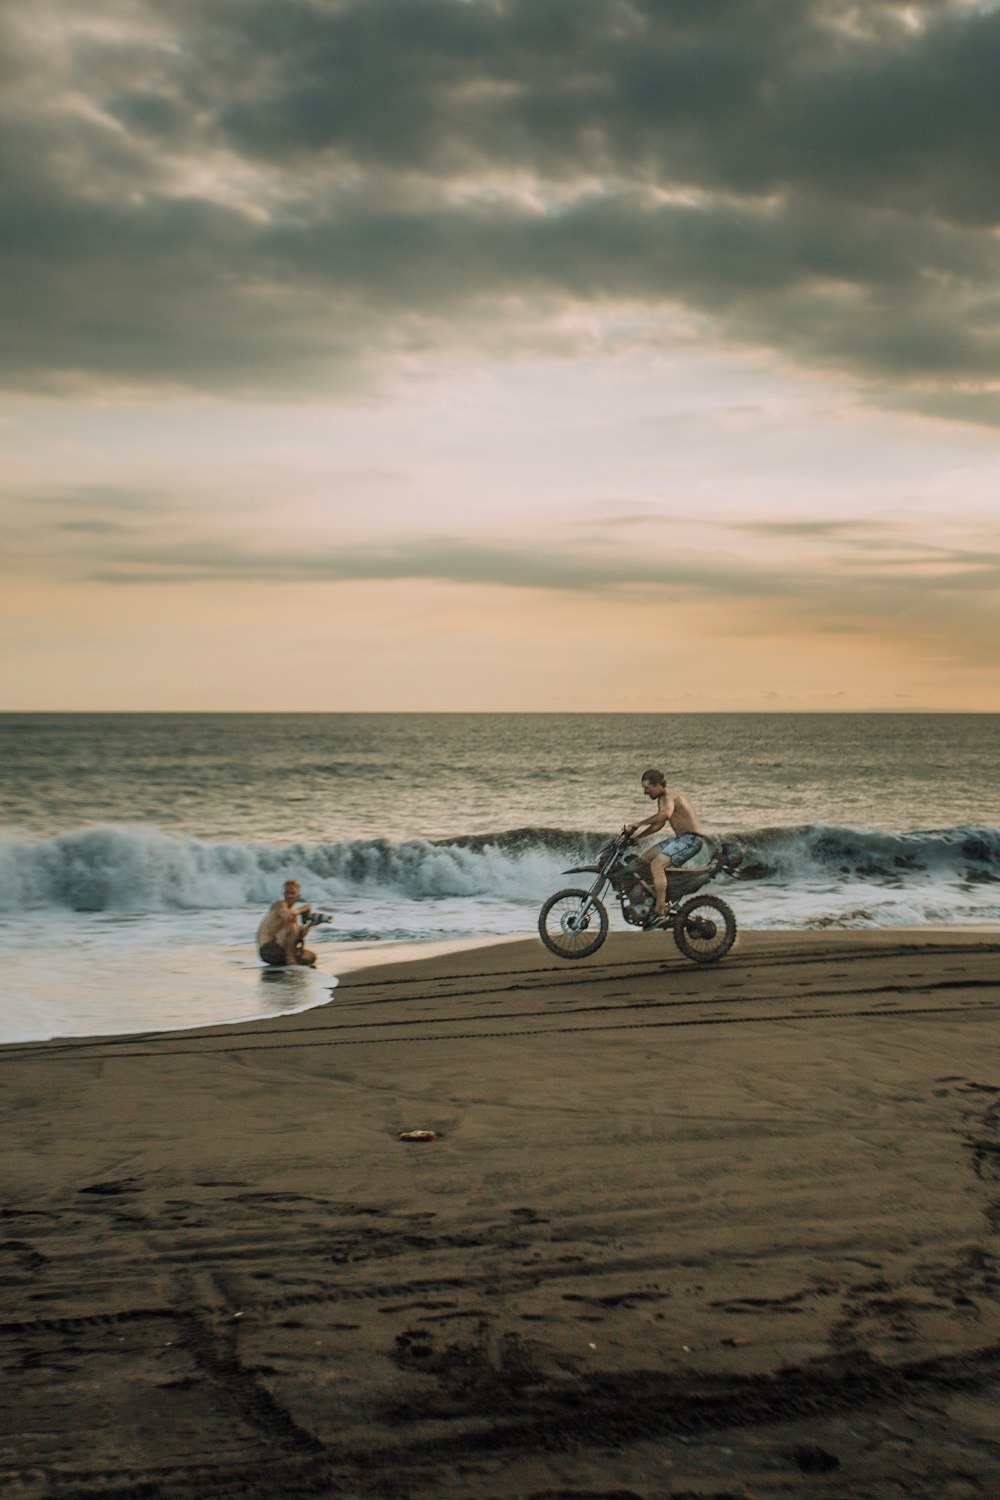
(663, 814)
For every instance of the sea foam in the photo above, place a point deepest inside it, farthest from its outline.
(137, 868)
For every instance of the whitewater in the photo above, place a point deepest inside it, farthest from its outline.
(140, 851)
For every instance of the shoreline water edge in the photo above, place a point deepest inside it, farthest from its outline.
(146, 929)
(142, 850)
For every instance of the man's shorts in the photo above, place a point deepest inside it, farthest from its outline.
(680, 849)
(274, 954)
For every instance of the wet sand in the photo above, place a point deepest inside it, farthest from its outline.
(716, 1232)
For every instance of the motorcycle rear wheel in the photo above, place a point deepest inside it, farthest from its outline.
(566, 924)
(705, 929)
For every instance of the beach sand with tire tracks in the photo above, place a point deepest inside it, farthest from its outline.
(728, 1230)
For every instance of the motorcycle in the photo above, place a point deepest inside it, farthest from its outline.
(574, 923)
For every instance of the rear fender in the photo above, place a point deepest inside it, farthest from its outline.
(583, 870)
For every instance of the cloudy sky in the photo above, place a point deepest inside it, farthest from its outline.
(500, 354)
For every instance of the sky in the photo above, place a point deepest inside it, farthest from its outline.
(576, 355)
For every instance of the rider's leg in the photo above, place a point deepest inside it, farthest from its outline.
(658, 866)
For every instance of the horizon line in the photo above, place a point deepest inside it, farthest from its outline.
(672, 713)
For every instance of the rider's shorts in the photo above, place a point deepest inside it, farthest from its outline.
(682, 848)
(274, 954)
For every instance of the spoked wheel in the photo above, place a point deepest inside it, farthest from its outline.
(572, 924)
(705, 929)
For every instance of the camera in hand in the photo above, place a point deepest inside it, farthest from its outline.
(314, 918)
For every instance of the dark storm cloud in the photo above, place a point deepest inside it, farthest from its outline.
(746, 96)
(259, 194)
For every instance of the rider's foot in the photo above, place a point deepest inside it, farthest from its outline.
(658, 919)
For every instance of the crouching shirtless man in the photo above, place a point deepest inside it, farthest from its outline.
(684, 842)
(280, 935)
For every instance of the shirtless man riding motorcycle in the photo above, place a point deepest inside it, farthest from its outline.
(685, 841)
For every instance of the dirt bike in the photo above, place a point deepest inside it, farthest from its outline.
(574, 923)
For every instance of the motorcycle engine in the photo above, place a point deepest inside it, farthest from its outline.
(637, 903)
(636, 898)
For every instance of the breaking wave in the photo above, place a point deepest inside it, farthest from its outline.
(820, 851)
(135, 868)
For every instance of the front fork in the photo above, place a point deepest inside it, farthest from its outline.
(592, 898)
(579, 920)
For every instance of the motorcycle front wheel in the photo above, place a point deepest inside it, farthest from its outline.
(705, 929)
(573, 924)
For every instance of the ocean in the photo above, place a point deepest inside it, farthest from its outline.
(138, 851)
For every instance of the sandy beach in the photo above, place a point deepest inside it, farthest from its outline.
(719, 1232)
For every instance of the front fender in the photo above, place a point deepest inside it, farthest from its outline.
(583, 870)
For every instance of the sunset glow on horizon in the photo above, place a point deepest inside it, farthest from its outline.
(486, 355)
